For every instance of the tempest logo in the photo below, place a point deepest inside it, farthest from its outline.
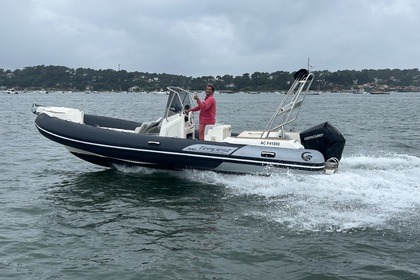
(210, 149)
(306, 156)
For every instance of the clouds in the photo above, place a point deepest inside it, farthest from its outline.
(210, 37)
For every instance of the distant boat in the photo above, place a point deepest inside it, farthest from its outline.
(227, 91)
(311, 92)
(359, 91)
(10, 91)
(161, 92)
(380, 92)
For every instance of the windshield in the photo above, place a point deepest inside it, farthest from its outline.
(178, 100)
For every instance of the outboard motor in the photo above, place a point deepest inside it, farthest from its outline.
(326, 139)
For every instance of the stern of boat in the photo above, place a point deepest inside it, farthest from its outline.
(326, 139)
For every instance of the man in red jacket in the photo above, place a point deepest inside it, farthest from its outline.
(207, 108)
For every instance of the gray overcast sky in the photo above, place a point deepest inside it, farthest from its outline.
(210, 37)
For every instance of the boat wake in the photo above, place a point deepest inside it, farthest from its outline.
(377, 193)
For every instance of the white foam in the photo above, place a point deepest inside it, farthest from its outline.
(136, 169)
(366, 192)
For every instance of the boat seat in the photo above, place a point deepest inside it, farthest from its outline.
(147, 126)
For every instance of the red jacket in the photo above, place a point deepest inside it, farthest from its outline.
(207, 109)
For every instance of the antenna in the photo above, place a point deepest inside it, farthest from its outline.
(310, 66)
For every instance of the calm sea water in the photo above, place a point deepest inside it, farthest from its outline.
(62, 218)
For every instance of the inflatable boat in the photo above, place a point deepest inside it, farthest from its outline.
(171, 143)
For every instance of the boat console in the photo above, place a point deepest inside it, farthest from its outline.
(176, 122)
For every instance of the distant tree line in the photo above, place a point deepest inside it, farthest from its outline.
(80, 79)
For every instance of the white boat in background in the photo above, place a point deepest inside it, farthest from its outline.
(161, 92)
(10, 91)
(359, 91)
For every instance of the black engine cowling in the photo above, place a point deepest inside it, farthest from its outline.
(324, 138)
